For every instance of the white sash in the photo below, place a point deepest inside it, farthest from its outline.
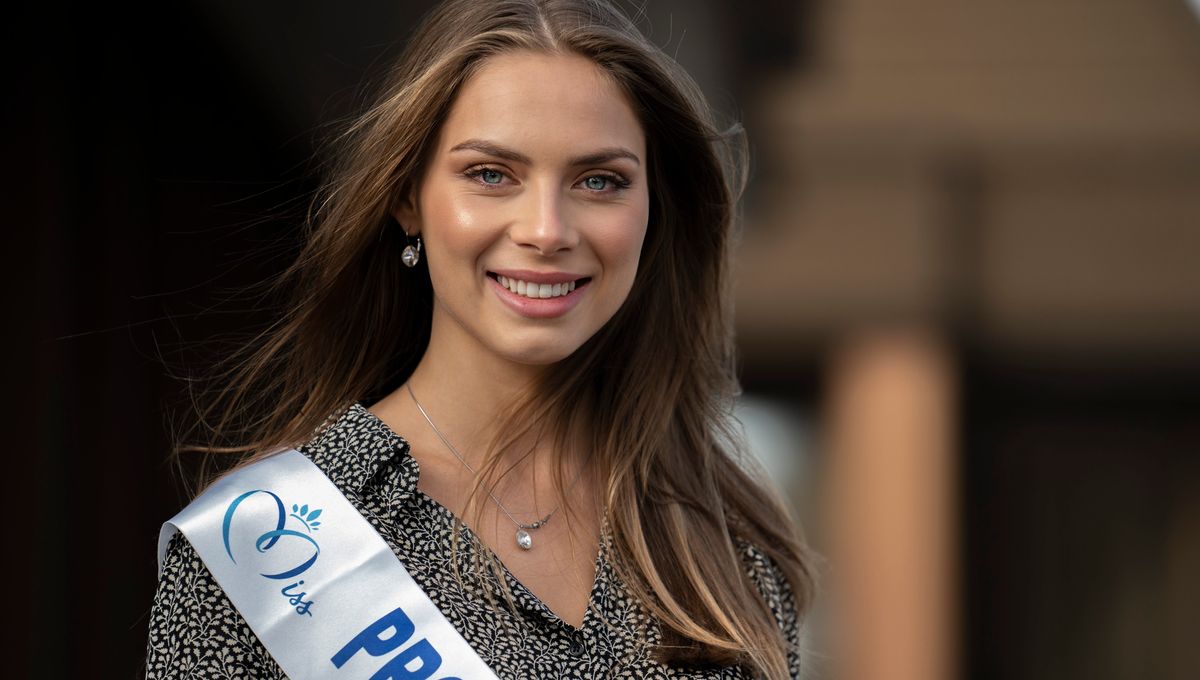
(316, 583)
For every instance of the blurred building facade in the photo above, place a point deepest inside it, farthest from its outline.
(983, 221)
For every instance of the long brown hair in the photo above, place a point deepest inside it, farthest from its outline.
(655, 385)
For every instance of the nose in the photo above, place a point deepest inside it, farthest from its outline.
(542, 223)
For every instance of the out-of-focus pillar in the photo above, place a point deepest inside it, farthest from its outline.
(1183, 564)
(891, 504)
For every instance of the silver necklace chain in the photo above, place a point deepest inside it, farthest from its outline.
(524, 540)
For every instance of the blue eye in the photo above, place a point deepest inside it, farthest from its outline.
(596, 183)
(490, 176)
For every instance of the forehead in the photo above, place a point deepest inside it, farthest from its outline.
(543, 104)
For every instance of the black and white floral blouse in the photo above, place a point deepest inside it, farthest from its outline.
(195, 631)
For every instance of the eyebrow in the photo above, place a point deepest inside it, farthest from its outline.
(594, 158)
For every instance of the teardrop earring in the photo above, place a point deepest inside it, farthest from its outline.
(410, 256)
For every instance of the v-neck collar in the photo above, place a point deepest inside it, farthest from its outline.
(370, 448)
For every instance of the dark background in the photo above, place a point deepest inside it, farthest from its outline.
(166, 154)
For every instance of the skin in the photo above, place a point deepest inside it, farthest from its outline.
(505, 189)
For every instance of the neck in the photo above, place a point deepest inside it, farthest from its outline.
(465, 390)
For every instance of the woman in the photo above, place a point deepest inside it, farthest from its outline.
(509, 349)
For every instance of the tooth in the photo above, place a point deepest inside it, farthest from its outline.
(503, 281)
(544, 290)
(512, 285)
(557, 290)
(519, 288)
(531, 291)
(571, 286)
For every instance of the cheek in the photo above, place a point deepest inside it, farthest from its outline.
(455, 230)
(619, 243)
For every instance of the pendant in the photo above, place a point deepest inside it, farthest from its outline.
(410, 256)
(524, 539)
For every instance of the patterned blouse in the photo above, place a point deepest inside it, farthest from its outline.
(195, 631)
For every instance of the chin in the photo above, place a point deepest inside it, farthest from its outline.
(533, 351)
(542, 356)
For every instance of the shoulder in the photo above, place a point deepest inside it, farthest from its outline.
(354, 445)
(351, 448)
(194, 628)
(773, 585)
(770, 580)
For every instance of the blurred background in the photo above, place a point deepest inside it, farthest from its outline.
(968, 302)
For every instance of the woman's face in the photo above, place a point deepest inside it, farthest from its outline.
(533, 208)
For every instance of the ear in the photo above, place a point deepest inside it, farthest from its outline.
(404, 210)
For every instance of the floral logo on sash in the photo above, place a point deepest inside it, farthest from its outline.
(300, 559)
(306, 518)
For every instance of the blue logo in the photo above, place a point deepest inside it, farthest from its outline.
(306, 519)
(386, 635)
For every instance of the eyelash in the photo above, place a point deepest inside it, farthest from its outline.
(618, 182)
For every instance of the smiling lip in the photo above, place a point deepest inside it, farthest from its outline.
(539, 308)
(537, 277)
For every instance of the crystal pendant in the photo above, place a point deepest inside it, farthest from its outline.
(410, 256)
(524, 539)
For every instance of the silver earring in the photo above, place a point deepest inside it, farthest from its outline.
(411, 256)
